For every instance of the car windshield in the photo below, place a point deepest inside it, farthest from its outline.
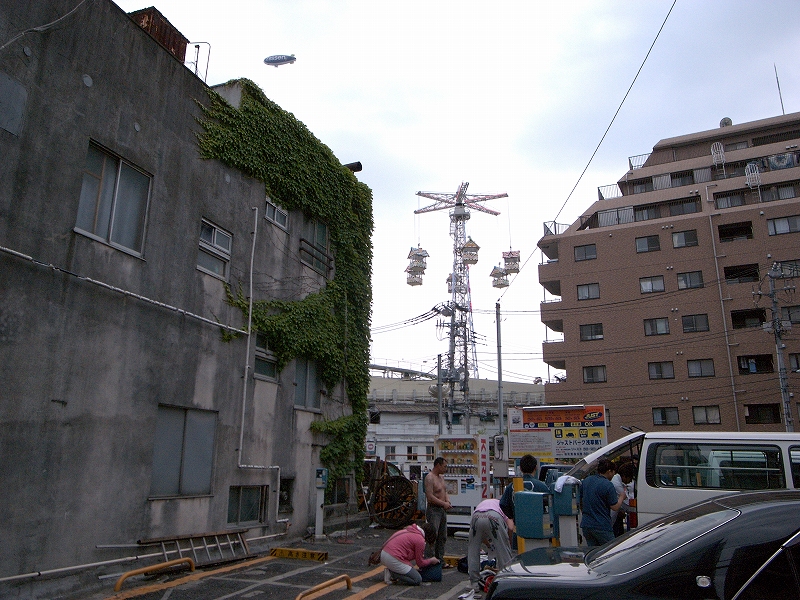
(658, 539)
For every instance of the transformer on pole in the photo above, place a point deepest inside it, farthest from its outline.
(461, 355)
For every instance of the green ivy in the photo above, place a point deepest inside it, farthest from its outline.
(330, 327)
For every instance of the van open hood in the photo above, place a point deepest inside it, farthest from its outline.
(630, 444)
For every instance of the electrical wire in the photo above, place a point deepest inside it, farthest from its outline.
(41, 28)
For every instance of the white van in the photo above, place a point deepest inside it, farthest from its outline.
(677, 469)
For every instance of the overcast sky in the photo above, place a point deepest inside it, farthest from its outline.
(508, 96)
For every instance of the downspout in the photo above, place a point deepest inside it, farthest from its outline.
(722, 311)
(277, 468)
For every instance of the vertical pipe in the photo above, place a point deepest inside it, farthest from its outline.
(439, 390)
(249, 328)
(499, 371)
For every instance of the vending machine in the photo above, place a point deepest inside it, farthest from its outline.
(467, 475)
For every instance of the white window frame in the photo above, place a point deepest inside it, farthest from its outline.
(706, 415)
(684, 239)
(217, 244)
(274, 214)
(595, 374)
(783, 225)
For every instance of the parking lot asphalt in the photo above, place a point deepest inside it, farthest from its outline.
(293, 572)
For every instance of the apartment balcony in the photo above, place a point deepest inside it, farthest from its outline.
(552, 315)
(553, 286)
(549, 242)
(553, 354)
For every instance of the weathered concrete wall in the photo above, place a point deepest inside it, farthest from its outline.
(84, 368)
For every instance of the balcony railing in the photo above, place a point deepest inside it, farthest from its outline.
(607, 192)
(637, 162)
(553, 228)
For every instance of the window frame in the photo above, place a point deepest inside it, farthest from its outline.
(651, 280)
(705, 412)
(702, 370)
(647, 245)
(583, 252)
(214, 249)
(684, 239)
(593, 333)
(307, 385)
(589, 288)
(599, 370)
(314, 253)
(105, 232)
(656, 326)
(690, 280)
(761, 418)
(655, 370)
(264, 356)
(792, 225)
(285, 495)
(261, 510)
(694, 327)
(667, 412)
(272, 211)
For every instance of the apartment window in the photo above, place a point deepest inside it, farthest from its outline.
(649, 285)
(661, 370)
(736, 231)
(666, 416)
(306, 391)
(390, 453)
(706, 415)
(276, 215)
(701, 368)
(411, 453)
(589, 291)
(695, 323)
(595, 374)
(684, 207)
(641, 186)
(113, 202)
(753, 317)
(265, 366)
(314, 247)
(683, 178)
(691, 279)
(736, 146)
(790, 268)
(794, 362)
(783, 225)
(762, 414)
(741, 273)
(684, 239)
(183, 452)
(658, 326)
(729, 199)
(755, 363)
(587, 252)
(593, 331)
(247, 504)
(214, 254)
(285, 496)
(791, 313)
(646, 213)
(647, 244)
(429, 453)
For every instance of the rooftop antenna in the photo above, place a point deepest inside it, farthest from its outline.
(779, 87)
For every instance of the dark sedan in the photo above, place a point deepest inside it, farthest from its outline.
(738, 547)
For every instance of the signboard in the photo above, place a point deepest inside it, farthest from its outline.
(552, 433)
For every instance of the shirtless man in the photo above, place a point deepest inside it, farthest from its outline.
(438, 504)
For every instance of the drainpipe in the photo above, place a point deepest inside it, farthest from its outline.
(722, 310)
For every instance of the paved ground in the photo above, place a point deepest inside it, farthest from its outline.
(274, 578)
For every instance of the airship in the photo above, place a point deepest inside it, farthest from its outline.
(279, 59)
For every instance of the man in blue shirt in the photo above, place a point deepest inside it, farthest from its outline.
(527, 464)
(598, 499)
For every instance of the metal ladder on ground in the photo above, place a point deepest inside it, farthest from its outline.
(205, 549)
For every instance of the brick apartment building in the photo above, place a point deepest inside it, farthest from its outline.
(661, 289)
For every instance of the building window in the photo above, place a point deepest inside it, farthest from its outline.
(341, 491)
(587, 252)
(735, 231)
(457, 419)
(648, 244)
(433, 419)
(411, 454)
(429, 453)
(593, 331)
(706, 415)
(684, 207)
(214, 254)
(314, 247)
(649, 285)
(658, 326)
(790, 268)
(646, 213)
(791, 313)
(762, 414)
(666, 416)
(692, 279)
(589, 291)
(701, 368)
(285, 496)
(794, 362)
(755, 363)
(276, 215)
(374, 417)
(113, 202)
(183, 452)
(266, 366)
(247, 504)
(306, 392)
(783, 225)
(729, 199)
(390, 453)
(596, 374)
(661, 370)
(683, 178)
(641, 186)
(753, 317)
(741, 274)
(684, 239)
(695, 323)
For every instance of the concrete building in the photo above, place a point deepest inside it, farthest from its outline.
(658, 298)
(134, 404)
(404, 416)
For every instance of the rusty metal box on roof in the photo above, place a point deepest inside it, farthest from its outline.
(154, 23)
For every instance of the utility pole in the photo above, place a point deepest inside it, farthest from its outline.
(779, 329)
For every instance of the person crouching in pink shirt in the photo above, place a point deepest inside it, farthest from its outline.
(402, 548)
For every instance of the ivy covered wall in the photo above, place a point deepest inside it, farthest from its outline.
(331, 326)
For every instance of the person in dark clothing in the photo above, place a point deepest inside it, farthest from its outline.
(598, 499)
(527, 464)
